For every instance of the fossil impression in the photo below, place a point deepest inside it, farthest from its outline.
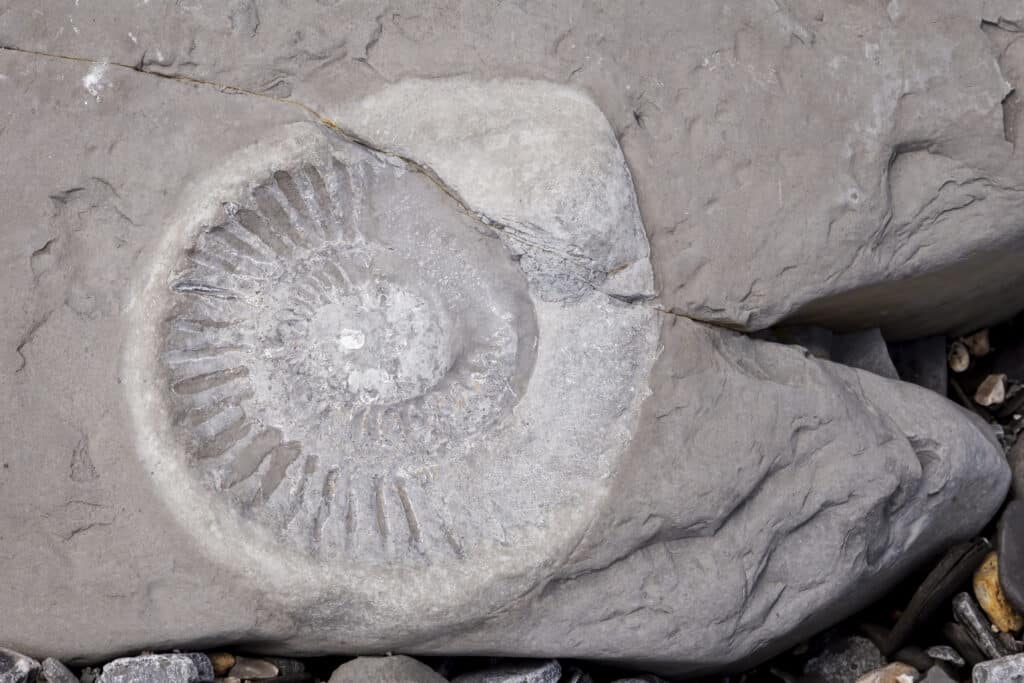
(341, 364)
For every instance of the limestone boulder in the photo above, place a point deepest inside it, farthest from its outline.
(403, 368)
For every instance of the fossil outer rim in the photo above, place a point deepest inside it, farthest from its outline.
(550, 488)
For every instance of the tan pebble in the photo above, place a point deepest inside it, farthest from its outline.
(897, 672)
(255, 669)
(978, 344)
(992, 391)
(227, 679)
(959, 358)
(222, 662)
(991, 598)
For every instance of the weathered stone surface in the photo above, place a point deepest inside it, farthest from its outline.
(150, 669)
(432, 401)
(849, 165)
(397, 669)
(16, 667)
(1011, 553)
(944, 653)
(537, 672)
(55, 672)
(846, 661)
(1004, 670)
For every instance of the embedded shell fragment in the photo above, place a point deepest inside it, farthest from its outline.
(335, 358)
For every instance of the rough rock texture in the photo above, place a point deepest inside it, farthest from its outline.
(152, 669)
(846, 661)
(533, 672)
(396, 669)
(55, 672)
(853, 165)
(17, 668)
(484, 433)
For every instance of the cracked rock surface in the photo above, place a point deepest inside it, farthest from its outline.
(355, 329)
(852, 166)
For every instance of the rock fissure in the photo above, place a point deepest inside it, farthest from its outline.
(350, 136)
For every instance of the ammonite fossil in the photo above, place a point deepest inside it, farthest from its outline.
(337, 364)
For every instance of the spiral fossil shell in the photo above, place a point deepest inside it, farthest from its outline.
(338, 365)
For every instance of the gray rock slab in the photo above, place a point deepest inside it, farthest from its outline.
(150, 669)
(372, 393)
(1004, 670)
(204, 667)
(16, 667)
(945, 653)
(396, 669)
(844, 166)
(55, 672)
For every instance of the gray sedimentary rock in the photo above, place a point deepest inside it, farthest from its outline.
(55, 672)
(389, 366)
(151, 669)
(17, 668)
(537, 672)
(397, 669)
(1004, 670)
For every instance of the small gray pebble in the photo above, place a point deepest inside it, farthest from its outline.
(16, 667)
(846, 660)
(396, 669)
(944, 653)
(55, 672)
(172, 668)
(1003, 670)
(90, 674)
(537, 672)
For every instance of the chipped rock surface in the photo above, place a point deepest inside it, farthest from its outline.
(393, 343)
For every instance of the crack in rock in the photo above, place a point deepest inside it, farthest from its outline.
(350, 136)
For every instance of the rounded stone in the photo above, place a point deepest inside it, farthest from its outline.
(1011, 554)
(992, 598)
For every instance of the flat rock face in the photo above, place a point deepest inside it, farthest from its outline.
(850, 166)
(323, 363)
